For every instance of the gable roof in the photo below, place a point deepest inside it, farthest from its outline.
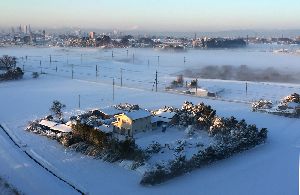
(165, 114)
(138, 114)
(62, 128)
(111, 111)
(47, 123)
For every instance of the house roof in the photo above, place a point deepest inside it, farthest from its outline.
(62, 128)
(55, 126)
(293, 105)
(165, 114)
(138, 114)
(47, 123)
(111, 111)
(105, 129)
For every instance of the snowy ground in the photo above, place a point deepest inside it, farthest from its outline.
(5, 188)
(268, 169)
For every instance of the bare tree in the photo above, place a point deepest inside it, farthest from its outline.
(56, 109)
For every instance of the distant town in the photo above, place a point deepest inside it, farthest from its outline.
(24, 35)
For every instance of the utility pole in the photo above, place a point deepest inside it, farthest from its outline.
(196, 87)
(246, 88)
(40, 62)
(133, 58)
(79, 101)
(112, 54)
(96, 71)
(156, 81)
(56, 68)
(158, 59)
(72, 72)
(121, 77)
(113, 89)
(50, 59)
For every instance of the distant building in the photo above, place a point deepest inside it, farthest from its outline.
(92, 35)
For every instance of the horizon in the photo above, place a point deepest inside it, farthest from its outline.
(154, 16)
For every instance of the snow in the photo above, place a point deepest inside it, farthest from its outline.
(155, 119)
(138, 114)
(293, 105)
(271, 168)
(166, 115)
(169, 140)
(47, 123)
(106, 128)
(110, 111)
(62, 128)
(5, 188)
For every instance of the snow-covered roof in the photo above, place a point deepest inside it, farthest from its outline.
(165, 114)
(70, 123)
(56, 127)
(155, 119)
(62, 128)
(105, 128)
(137, 114)
(111, 111)
(47, 123)
(198, 90)
(293, 105)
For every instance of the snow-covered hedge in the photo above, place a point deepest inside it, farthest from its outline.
(289, 106)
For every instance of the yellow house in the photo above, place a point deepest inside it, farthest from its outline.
(133, 122)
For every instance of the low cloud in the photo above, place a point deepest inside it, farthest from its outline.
(243, 73)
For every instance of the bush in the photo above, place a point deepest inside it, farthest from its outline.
(12, 74)
(35, 75)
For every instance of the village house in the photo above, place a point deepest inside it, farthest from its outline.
(132, 122)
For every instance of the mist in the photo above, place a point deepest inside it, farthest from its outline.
(243, 73)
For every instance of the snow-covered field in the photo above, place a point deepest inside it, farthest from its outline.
(268, 169)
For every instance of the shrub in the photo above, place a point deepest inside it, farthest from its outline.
(35, 75)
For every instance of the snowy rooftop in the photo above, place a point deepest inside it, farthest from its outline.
(155, 119)
(62, 128)
(49, 124)
(70, 123)
(105, 128)
(137, 114)
(111, 111)
(165, 114)
(293, 105)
